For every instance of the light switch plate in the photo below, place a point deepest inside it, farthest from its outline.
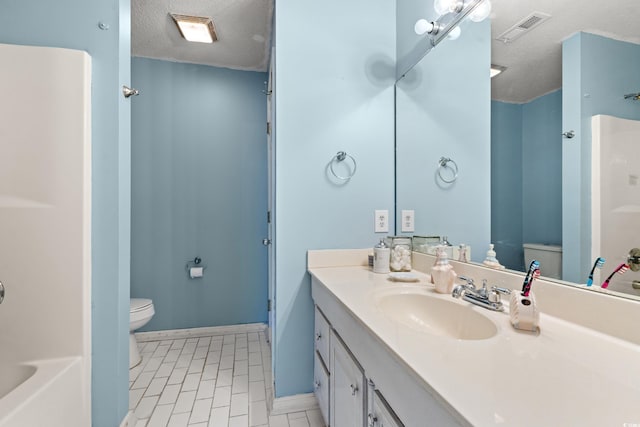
(381, 224)
(408, 221)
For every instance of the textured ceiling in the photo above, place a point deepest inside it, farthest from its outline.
(243, 28)
(534, 61)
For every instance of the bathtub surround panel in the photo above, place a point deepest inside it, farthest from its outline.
(526, 176)
(334, 93)
(74, 24)
(596, 73)
(615, 205)
(199, 189)
(443, 110)
(45, 229)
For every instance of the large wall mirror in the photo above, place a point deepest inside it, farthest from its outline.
(520, 183)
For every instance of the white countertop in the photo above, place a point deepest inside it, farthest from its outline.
(567, 375)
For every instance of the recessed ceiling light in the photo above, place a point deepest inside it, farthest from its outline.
(195, 28)
(496, 69)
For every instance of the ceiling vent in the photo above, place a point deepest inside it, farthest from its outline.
(525, 25)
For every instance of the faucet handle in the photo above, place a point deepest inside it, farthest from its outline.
(503, 291)
(494, 294)
(468, 280)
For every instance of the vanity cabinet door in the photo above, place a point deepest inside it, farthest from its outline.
(321, 335)
(348, 393)
(382, 415)
(321, 386)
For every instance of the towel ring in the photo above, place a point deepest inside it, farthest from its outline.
(443, 163)
(339, 157)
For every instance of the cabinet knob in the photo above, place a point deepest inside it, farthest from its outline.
(354, 389)
(316, 384)
(318, 336)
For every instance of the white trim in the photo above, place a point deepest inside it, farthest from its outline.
(129, 420)
(295, 403)
(199, 332)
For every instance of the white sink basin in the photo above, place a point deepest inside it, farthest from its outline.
(419, 310)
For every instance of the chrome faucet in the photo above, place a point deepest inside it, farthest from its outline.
(487, 298)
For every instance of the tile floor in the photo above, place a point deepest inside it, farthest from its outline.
(212, 381)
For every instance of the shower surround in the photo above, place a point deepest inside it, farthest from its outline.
(45, 225)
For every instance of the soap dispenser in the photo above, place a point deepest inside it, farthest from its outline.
(442, 274)
(491, 261)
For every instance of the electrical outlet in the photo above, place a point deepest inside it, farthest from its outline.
(381, 223)
(408, 221)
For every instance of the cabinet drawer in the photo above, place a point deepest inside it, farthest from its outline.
(321, 336)
(321, 386)
(383, 415)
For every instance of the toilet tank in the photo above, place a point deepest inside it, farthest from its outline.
(549, 256)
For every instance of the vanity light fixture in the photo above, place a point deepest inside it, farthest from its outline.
(195, 28)
(443, 7)
(481, 12)
(496, 69)
(423, 26)
(451, 13)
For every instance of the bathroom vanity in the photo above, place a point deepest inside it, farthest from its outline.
(393, 354)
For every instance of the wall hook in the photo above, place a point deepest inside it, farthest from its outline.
(569, 134)
(266, 89)
(129, 92)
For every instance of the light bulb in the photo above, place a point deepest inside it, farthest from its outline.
(442, 7)
(481, 12)
(454, 34)
(423, 26)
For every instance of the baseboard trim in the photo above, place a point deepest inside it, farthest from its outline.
(199, 332)
(295, 403)
(129, 420)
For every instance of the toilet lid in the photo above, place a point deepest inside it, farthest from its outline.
(139, 304)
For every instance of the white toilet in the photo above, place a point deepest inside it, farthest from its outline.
(140, 312)
(549, 256)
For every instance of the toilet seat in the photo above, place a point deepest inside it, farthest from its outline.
(140, 312)
(139, 304)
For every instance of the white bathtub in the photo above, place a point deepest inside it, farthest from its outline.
(42, 393)
(45, 341)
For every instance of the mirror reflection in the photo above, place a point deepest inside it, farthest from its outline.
(563, 63)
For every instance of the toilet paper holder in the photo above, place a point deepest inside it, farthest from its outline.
(194, 263)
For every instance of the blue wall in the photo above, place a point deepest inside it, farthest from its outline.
(74, 24)
(334, 91)
(199, 168)
(443, 110)
(596, 73)
(542, 169)
(526, 171)
(506, 183)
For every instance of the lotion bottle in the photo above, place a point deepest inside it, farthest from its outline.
(442, 274)
(381, 256)
(491, 261)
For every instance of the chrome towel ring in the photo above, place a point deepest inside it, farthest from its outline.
(340, 157)
(447, 163)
